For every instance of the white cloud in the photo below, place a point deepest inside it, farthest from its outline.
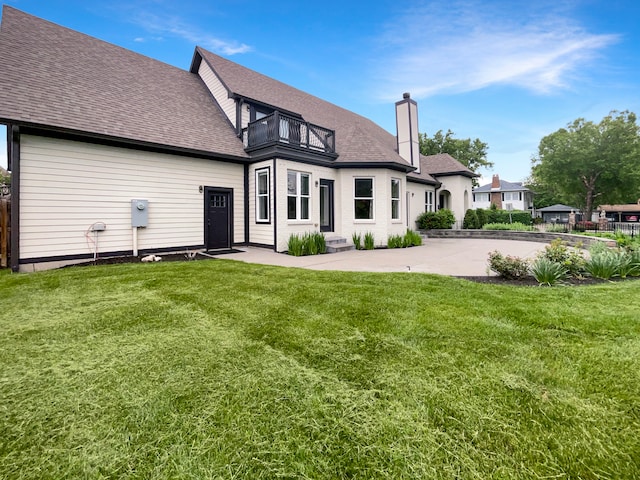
(176, 27)
(465, 46)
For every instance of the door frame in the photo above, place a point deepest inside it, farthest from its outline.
(329, 184)
(218, 190)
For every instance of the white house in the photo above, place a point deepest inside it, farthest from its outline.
(504, 195)
(114, 153)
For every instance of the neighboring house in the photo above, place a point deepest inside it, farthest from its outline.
(629, 212)
(504, 195)
(115, 153)
(557, 213)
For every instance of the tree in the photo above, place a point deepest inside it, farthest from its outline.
(588, 162)
(471, 153)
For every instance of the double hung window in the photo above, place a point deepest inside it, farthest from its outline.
(262, 195)
(363, 199)
(298, 195)
(395, 199)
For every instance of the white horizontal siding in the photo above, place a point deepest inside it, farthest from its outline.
(260, 233)
(218, 91)
(67, 186)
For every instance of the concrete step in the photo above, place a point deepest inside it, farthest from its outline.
(335, 240)
(339, 247)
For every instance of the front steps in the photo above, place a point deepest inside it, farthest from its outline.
(338, 244)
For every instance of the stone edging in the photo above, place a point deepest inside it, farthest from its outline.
(543, 237)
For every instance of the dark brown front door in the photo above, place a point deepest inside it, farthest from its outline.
(218, 218)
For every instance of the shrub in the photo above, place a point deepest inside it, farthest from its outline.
(492, 214)
(357, 240)
(558, 228)
(470, 220)
(623, 240)
(548, 272)
(481, 215)
(505, 216)
(571, 260)
(443, 218)
(515, 226)
(512, 268)
(369, 243)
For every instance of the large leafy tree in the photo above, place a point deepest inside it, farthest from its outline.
(587, 162)
(471, 153)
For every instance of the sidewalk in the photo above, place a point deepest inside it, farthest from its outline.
(456, 257)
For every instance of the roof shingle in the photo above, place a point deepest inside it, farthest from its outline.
(358, 139)
(54, 76)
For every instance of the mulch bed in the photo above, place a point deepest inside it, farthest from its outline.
(531, 282)
(494, 280)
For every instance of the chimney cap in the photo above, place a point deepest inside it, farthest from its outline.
(406, 95)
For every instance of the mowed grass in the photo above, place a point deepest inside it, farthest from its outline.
(219, 369)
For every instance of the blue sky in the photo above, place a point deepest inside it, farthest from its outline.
(507, 72)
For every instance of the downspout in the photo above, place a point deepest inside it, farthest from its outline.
(275, 208)
(13, 156)
(246, 203)
(435, 194)
(239, 106)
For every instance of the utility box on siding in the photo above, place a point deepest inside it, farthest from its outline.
(139, 213)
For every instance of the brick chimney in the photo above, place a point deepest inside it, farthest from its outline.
(407, 128)
(496, 194)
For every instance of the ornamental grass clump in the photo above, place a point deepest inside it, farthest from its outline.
(603, 264)
(394, 241)
(369, 243)
(356, 238)
(311, 243)
(548, 272)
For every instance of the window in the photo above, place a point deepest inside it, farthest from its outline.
(480, 197)
(395, 199)
(297, 195)
(510, 196)
(262, 195)
(428, 201)
(363, 198)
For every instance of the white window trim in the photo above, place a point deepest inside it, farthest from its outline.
(298, 197)
(399, 217)
(260, 172)
(372, 198)
(428, 201)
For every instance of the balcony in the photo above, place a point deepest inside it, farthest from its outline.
(280, 129)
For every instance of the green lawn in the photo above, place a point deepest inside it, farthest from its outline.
(218, 369)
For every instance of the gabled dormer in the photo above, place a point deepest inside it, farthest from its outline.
(264, 127)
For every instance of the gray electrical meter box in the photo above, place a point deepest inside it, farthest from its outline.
(139, 213)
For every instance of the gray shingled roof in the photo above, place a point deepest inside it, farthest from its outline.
(53, 76)
(358, 139)
(558, 207)
(504, 187)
